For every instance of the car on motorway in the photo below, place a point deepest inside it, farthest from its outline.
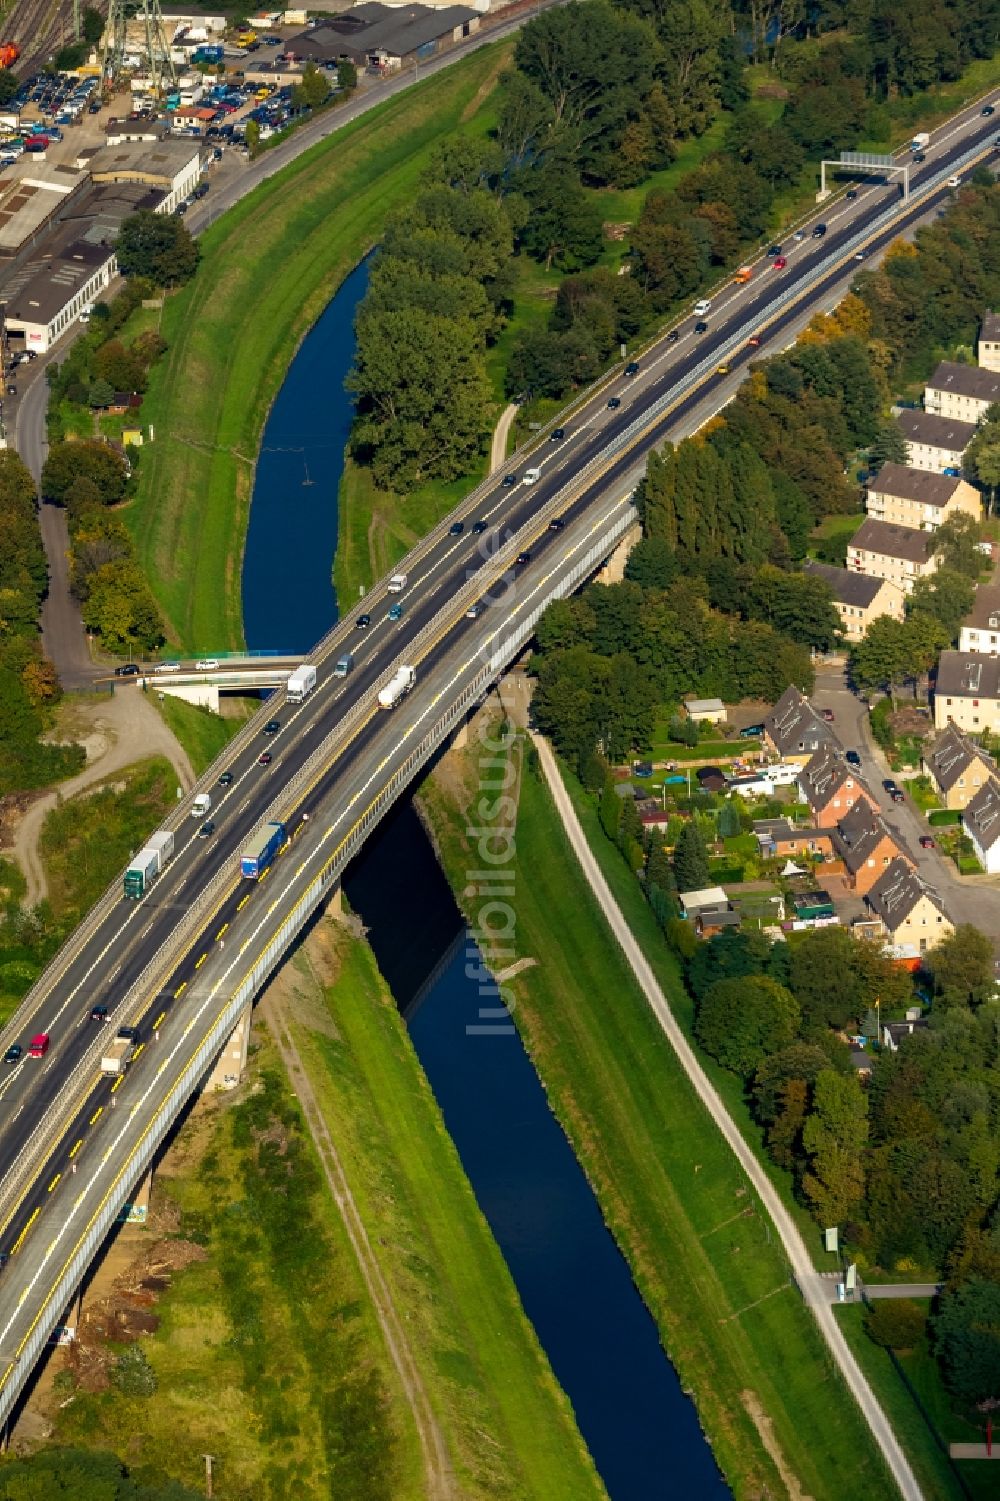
(99, 1013)
(722, 369)
(396, 612)
(557, 523)
(889, 784)
(474, 611)
(207, 664)
(701, 327)
(702, 307)
(987, 109)
(168, 667)
(225, 779)
(522, 558)
(774, 250)
(614, 402)
(799, 234)
(480, 526)
(39, 1045)
(859, 255)
(828, 715)
(852, 758)
(265, 758)
(954, 182)
(918, 157)
(13, 1053)
(819, 231)
(127, 670)
(926, 842)
(557, 434)
(779, 263)
(456, 529)
(363, 622)
(673, 336)
(207, 829)
(754, 341)
(851, 193)
(272, 727)
(632, 368)
(508, 479)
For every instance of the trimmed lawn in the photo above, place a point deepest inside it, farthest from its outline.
(203, 733)
(270, 266)
(509, 1427)
(670, 1190)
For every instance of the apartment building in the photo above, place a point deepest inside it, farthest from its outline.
(934, 442)
(884, 550)
(920, 498)
(961, 391)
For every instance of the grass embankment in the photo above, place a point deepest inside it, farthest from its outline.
(269, 267)
(86, 841)
(268, 1355)
(203, 733)
(925, 1436)
(669, 1188)
(508, 1427)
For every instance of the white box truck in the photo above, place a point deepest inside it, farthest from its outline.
(201, 805)
(397, 583)
(397, 687)
(301, 683)
(920, 141)
(163, 844)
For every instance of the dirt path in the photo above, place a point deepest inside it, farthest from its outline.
(117, 732)
(498, 452)
(440, 1481)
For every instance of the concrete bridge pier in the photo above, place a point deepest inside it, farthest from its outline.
(231, 1062)
(614, 569)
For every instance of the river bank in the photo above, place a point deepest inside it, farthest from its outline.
(670, 1190)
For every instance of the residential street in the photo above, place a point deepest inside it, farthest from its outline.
(974, 899)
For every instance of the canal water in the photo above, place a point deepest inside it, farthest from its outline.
(576, 1288)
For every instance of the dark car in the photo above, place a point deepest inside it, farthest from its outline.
(508, 479)
(896, 795)
(926, 842)
(557, 434)
(632, 368)
(207, 829)
(131, 1034)
(456, 529)
(710, 778)
(701, 328)
(99, 1013)
(363, 622)
(481, 526)
(888, 784)
(987, 109)
(272, 727)
(918, 156)
(819, 231)
(827, 715)
(643, 769)
(751, 731)
(673, 336)
(852, 758)
(13, 1053)
(265, 758)
(556, 524)
(851, 193)
(522, 558)
(225, 779)
(614, 402)
(127, 670)
(774, 250)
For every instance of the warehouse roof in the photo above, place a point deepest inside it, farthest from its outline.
(372, 27)
(54, 284)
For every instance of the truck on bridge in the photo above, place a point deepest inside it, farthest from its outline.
(116, 1056)
(148, 863)
(261, 849)
(301, 683)
(397, 687)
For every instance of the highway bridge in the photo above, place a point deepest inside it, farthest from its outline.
(183, 963)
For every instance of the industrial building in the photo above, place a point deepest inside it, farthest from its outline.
(384, 37)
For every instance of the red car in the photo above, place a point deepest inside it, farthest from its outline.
(754, 341)
(779, 263)
(827, 715)
(926, 842)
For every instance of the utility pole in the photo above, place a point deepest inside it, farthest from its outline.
(208, 1475)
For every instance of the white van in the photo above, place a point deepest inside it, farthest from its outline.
(201, 805)
(397, 583)
(531, 476)
(702, 307)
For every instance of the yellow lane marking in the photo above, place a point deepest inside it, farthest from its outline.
(222, 930)
(76, 1146)
(55, 1180)
(159, 1021)
(242, 903)
(138, 1050)
(180, 990)
(118, 1083)
(97, 1112)
(21, 1238)
(201, 961)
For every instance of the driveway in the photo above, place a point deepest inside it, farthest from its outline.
(972, 899)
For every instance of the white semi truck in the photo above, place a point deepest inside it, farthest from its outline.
(397, 687)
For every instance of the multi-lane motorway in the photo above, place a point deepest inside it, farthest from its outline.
(70, 1139)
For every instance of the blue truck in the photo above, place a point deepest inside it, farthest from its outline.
(261, 849)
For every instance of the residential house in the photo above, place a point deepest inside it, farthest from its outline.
(893, 1033)
(967, 692)
(911, 916)
(962, 391)
(957, 766)
(988, 353)
(934, 442)
(832, 788)
(981, 821)
(920, 498)
(794, 730)
(887, 551)
(778, 838)
(707, 899)
(981, 627)
(859, 598)
(863, 842)
(705, 710)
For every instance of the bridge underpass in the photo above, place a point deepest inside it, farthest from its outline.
(183, 963)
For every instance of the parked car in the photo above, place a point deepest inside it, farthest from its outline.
(643, 769)
(828, 715)
(751, 731)
(926, 842)
(852, 758)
